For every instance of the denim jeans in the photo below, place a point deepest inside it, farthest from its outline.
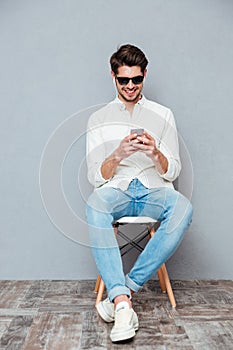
(107, 204)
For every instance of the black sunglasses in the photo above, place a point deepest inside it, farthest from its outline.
(135, 80)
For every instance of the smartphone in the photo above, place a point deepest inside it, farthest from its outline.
(137, 131)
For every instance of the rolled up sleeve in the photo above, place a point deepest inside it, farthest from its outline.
(95, 154)
(169, 146)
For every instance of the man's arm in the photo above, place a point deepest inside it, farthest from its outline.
(160, 162)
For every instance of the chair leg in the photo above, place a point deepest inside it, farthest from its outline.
(100, 292)
(97, 284)
(168, 286)
(161, 280)
(115, 228)
(160, 272)
(164, 278)
(151, 231)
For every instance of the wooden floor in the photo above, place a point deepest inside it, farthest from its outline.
(60, 315)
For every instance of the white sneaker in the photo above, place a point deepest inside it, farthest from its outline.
(106, 311)
(126, 323)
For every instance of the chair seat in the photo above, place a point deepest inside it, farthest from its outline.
(135, 220)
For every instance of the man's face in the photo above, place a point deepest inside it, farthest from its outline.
(130, 92)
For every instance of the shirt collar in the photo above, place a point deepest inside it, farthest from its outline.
(122, 105)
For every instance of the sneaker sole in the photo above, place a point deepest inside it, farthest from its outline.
(135, 326)
(127, 334)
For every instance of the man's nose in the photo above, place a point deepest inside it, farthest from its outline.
(130, 84)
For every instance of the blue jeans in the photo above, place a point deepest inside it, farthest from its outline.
(107, 204)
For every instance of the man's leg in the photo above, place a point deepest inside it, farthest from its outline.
(103, 207)
(175, 214)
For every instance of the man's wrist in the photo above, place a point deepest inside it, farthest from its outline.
(156, 154)
(109, 166)
(115, 156)
(160, 161)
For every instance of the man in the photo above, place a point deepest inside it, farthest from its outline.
(132, 171)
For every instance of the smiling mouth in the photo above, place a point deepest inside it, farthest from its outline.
(130, 92)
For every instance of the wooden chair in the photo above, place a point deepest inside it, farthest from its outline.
(162, 271)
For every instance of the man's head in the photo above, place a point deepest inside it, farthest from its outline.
(128, 55)
(128, 65)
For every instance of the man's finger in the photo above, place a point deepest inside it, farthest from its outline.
(148, 136)
(131, 137)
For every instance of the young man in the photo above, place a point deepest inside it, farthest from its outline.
(132, 172)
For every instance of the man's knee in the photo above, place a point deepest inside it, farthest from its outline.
(185, 211)
(180, 205)
(101, 200)
(186, 206)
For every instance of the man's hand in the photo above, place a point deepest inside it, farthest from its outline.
(147, 145)
(125, 149)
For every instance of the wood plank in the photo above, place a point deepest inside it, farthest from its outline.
(65, 303)
(198, 313)
(58, 286)
(15, 334)
(54, 332)
(17, 312)
(13, 292)
(211, 335)
(4, 324)
(59, 294)
(94, 332)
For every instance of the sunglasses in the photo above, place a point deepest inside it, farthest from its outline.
(135, 80)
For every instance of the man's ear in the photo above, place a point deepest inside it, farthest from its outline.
(112, 74)
(145, 72)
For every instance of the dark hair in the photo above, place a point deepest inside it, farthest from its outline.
(128, 55)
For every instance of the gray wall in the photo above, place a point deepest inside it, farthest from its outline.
(53, 63)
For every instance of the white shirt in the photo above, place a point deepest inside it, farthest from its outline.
(109, 125)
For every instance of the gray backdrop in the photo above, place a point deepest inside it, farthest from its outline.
(53, 64)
